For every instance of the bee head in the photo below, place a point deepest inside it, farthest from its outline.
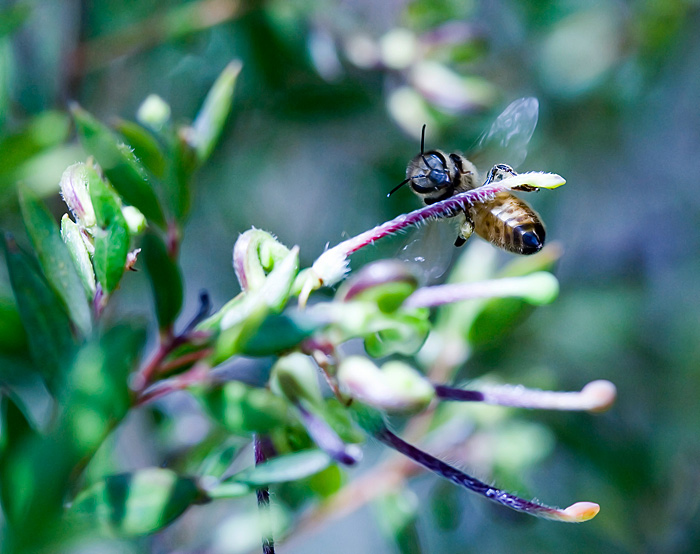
(430, 174)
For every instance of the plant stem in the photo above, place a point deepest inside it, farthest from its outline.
(263, 495)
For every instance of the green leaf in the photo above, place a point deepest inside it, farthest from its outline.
(138, 503)
(13, 338)
(119, 164)
(243, 409)
(326, 482)
(446, 505)
(55, 259)
(41, 133)
(399, 516)
(228, 490)
(165, 277)
(16, 431)
(94, 398)
(183, 161)
(43, 316)
(289, 467)
(146, 147)
(495, 318)
(219, 458)
(97, 390)
(13, 17)
(211, 118)
(111, 236)
(278, 333)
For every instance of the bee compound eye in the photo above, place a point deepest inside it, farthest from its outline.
(439, 177)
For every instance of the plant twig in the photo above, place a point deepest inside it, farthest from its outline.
(260, 450)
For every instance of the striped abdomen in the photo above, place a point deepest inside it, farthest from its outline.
(509, 223)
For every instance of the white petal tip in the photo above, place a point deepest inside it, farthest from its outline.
(580, 512)
(600, 395)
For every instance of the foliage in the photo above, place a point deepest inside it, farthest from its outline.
(85, 388)
(296, 430)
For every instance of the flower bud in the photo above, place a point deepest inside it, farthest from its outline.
(154, 112)
(396, 387)
(398, 48)
(387, 283)
(447, 89)
(75, 193)
(254, 255)
(295, 376)
(72, 236)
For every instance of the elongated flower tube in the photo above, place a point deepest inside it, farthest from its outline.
(576, 513)
(537, 288)
(327, 439)
(331, 266)
(596, 396)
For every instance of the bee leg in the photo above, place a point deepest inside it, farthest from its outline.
(465, 231)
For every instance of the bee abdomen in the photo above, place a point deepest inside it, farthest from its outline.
(529, 238)
(510, 224)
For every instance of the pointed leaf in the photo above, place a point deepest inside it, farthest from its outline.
(137, 503)
(43, 316)
(279, 333)
(13, 338)
(16, 430)
(285, 468)
(111, 235)
(119, 164)
(211, 118)
(97, 390)
(165, 277)
(55, 259)
(183, 161)
(146, 147)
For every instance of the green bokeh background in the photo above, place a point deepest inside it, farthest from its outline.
(309, 154)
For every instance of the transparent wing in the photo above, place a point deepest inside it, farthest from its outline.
(507, 139)
(431, 247)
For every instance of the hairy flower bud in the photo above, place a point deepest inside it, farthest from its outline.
(396, 387)
(254, 255)
(295, 376)
(75, 193)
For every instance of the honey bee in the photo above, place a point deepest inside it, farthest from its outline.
(506, 221)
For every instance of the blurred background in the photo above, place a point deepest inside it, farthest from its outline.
(328, 111)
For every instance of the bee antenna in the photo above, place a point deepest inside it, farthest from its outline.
(397, 187)
(422, 145)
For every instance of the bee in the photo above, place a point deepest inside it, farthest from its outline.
(505, 221)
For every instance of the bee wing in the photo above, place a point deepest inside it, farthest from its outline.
(507, 139)
(431, 247)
